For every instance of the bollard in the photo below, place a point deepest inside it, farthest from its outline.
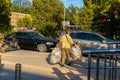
(0, 58)
(18, 71)
(0, 63)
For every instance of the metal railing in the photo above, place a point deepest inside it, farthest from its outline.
(110, 67)
(116, 43)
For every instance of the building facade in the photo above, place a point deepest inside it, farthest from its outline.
(15, 16)
(26, 3)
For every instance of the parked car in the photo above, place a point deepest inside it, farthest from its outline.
(90, 40)
(32, 40)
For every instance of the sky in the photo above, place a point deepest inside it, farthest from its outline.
(78, 3)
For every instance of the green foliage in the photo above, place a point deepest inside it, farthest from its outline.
(5, 8)
(87, 15)
(73, 14)
(25, 22)
(47, 14)
(6, 30)
(108, 10)
(20, 22)
(20, 9)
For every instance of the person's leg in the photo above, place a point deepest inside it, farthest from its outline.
(63, 57)
(68, 56)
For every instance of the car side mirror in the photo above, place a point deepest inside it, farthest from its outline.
(104, 41)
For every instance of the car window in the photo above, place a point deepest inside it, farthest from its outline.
(73, 35)
(26, 35)
(22, 35)
(97, 38)
(37, 36)
(83, 36)
(109, 40)
(19, 34)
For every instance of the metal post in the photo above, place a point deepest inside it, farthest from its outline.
(0, 63)
(110, 68)
(18, 71)
(105, 68)
(97, 67)
(115, 66)
(89, 65)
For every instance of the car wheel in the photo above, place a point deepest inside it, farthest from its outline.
(41, 48)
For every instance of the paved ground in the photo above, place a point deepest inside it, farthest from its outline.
(36, 66)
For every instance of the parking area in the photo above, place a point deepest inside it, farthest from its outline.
(36, 66)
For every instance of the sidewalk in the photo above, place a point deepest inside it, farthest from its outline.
(37, 67)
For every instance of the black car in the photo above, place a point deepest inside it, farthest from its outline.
(32, 40)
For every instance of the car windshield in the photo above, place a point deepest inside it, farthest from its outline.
(109, 40)
(36, 35)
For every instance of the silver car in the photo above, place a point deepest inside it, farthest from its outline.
(90, 40)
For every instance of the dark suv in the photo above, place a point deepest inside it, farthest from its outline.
(90, 40)
(33, 40)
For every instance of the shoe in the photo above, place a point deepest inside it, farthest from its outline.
(69, 64)
(62, 65)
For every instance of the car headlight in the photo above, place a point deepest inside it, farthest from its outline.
(50, 43)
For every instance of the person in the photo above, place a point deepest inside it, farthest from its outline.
(1, 39)
(66, 42)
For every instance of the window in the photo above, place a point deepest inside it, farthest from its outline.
(19, 34)
(95, 37)
(73, 35)
(83, 36)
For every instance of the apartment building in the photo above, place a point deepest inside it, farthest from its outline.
(26, 3)
(15, 16)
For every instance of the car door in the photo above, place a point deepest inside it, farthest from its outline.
(88, 40)
(19, 37)
(82, 39)
(28, 41)
(97, 41)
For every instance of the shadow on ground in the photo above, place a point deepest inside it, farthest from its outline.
(7, 74)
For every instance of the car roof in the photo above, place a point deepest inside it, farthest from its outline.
(82, 31)
(24, 31)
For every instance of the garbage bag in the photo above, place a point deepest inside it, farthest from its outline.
(76, 53)
(55, 56)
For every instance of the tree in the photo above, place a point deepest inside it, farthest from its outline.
(87, 15)
(20, 9)
(20, 22)
(25, 22)
(5, 9)
(107, 17)
(47, 15)
(73, 14)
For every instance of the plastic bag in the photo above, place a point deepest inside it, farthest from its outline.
(55, 55)
(76, 53)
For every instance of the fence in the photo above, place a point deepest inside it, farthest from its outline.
(110, 67)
